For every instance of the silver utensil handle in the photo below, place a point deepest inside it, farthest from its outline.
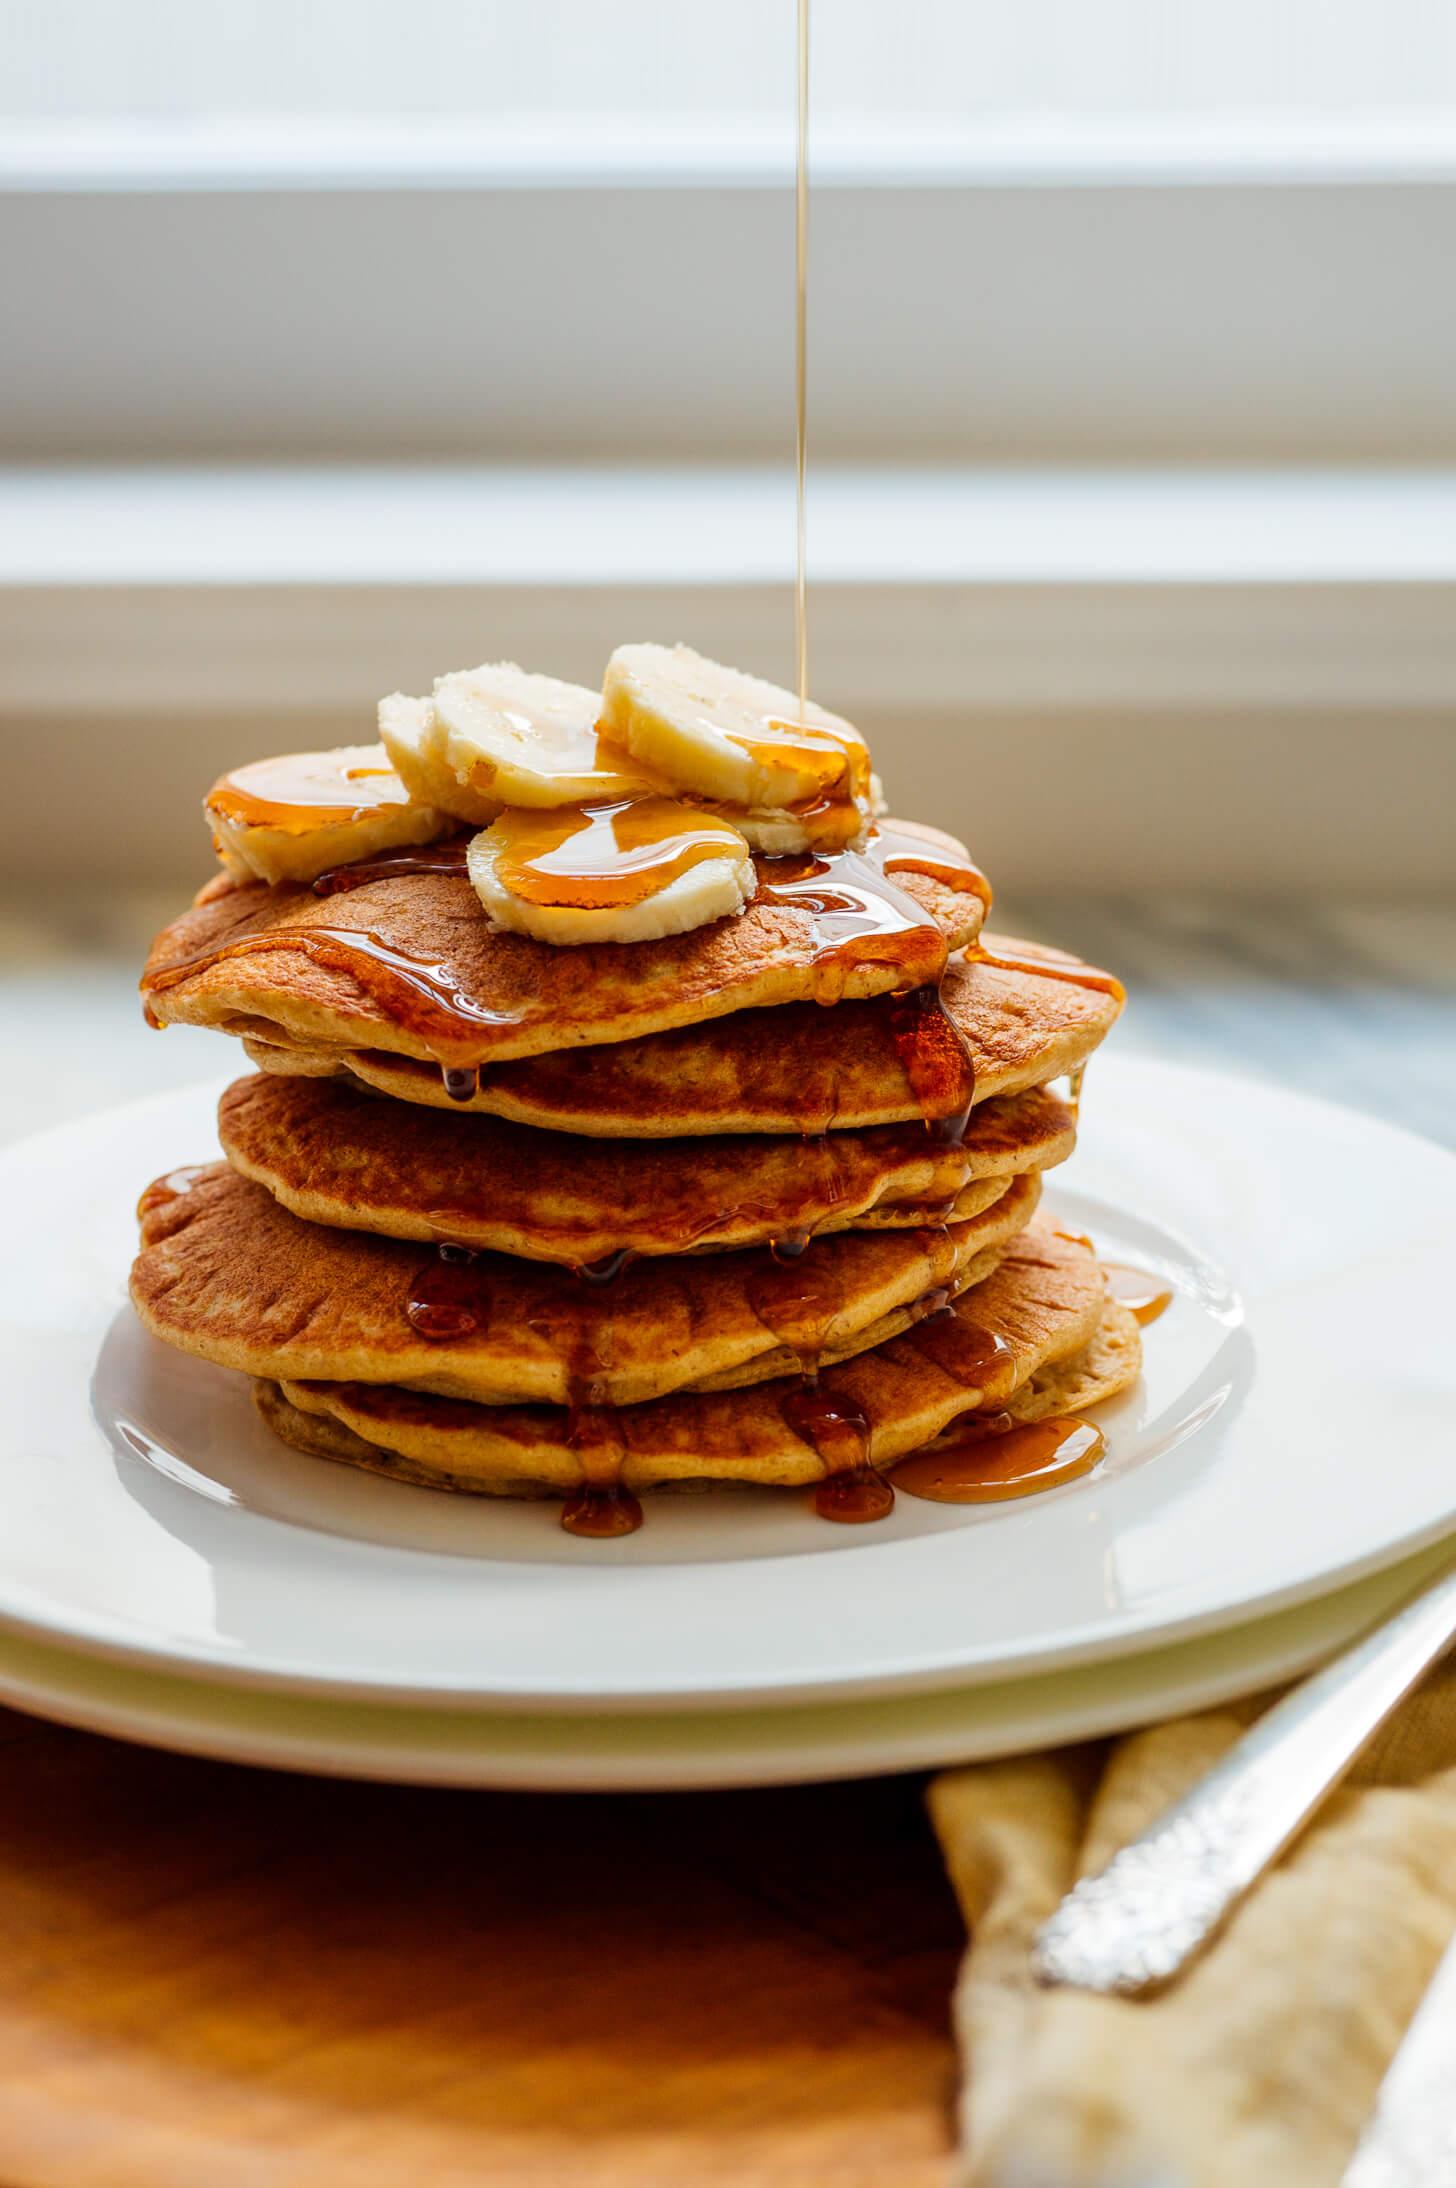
(1161, 1898)
(1411, 2139)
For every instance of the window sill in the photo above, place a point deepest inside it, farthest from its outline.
(179, 589)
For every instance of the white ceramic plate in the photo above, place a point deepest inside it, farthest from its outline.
(684, 1751)
(1294, 1430)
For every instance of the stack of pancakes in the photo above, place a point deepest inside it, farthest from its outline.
(751, 1204)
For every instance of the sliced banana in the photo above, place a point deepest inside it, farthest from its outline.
(737, 740)
(624, 870)
(415, 742)
(291, 818)
(529, 740)
(778, 834)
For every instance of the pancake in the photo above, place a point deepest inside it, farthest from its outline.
(227, 1273)
(1112, 1361)
(409, 963)
(337, 1154)
(1046, 1304)
(794, 1069)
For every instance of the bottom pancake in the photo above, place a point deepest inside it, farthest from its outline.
(1037, 1336)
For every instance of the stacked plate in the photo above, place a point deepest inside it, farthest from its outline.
(171, 1573)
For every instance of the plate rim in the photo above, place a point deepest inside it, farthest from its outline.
(815, 1743)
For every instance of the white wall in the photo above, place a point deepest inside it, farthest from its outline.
(938, 61)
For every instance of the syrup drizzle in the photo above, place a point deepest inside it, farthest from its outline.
(798, 1297)
(305, 790)
(163, 1191)
(1048, 964)
(617, 853)
(1144, 1295)
(988, 1458)
(445, 857)
(902, 853)
(801, 354)
(419, 992)
(972, 1357)
(859, 915)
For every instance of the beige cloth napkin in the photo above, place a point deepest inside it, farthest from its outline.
(1259, 2068)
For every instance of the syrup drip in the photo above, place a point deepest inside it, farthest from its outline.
(600, 1512)
(617, 853)
(163, 1191)
(1076, 1080)
(305, 790)
(445, 857)
(936, 1060)
(798, 1297)
(1144, 1295)
(975, 1358)
(838, 1430)
(801, 352)
(454, 1295)
(1049, 964)
(989, 1458)
(603, 1507)
(854, 1499)
(461, 1081)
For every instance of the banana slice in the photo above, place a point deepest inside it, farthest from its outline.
(623, 870)
(739, 741)
(530, 740)
(415, 742)
(292, 818)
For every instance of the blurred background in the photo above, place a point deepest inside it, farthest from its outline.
(348, 343)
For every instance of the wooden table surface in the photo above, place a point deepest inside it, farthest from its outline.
(213, 1977)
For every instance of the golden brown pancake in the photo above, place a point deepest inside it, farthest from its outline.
(227, 1273)
(338, 1154)
(1045, 1304)
(794, 1069)
(1107, 1365)
(412, 965)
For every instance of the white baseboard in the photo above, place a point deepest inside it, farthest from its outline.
(1107, 680)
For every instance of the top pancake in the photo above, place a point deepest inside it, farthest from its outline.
(795, 1069)
(410, 963)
